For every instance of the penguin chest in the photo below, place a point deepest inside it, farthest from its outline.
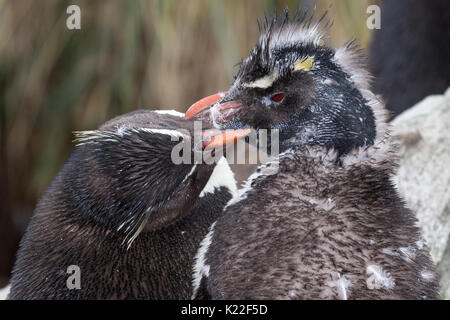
(302, 245)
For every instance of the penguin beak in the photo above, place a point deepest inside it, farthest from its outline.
(217, 138)
(211, 108)
(222, 112)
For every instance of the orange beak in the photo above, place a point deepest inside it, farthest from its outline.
(202, 108)
(203, 104)
(216, 138)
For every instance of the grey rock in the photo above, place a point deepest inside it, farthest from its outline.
(423, 177)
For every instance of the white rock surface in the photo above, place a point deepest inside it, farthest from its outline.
(424, 174)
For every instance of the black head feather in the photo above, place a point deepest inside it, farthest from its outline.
(323, 103)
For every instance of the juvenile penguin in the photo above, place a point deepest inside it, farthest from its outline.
(323, 220)
(121, 220)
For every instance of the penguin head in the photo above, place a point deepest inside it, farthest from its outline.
(291, 81)
(126, 178)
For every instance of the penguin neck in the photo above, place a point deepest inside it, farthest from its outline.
(380, 154)
(364, 168)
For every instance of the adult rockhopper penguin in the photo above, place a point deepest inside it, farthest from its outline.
(124, 213)
(323, 220)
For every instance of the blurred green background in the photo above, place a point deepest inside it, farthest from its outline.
(128, 55)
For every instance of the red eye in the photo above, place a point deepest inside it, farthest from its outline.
(278, 97)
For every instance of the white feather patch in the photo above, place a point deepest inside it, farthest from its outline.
(419, 244)
(408, 253)
(170, 112)
(264, 82)
(222, 176)
(379, 278)
(342, 285)
(172, 133)
(83, 137)
(190, 173)
(293, 34)
(5, 292)
(200, 269)
(427, 275)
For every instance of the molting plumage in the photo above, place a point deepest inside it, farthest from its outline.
(328, 222)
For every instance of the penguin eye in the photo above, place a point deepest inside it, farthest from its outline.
(277, 97)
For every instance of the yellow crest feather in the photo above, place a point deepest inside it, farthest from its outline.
(305, 63)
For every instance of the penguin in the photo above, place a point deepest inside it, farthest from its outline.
(322, 219)
(409, 53)
(121, 220)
